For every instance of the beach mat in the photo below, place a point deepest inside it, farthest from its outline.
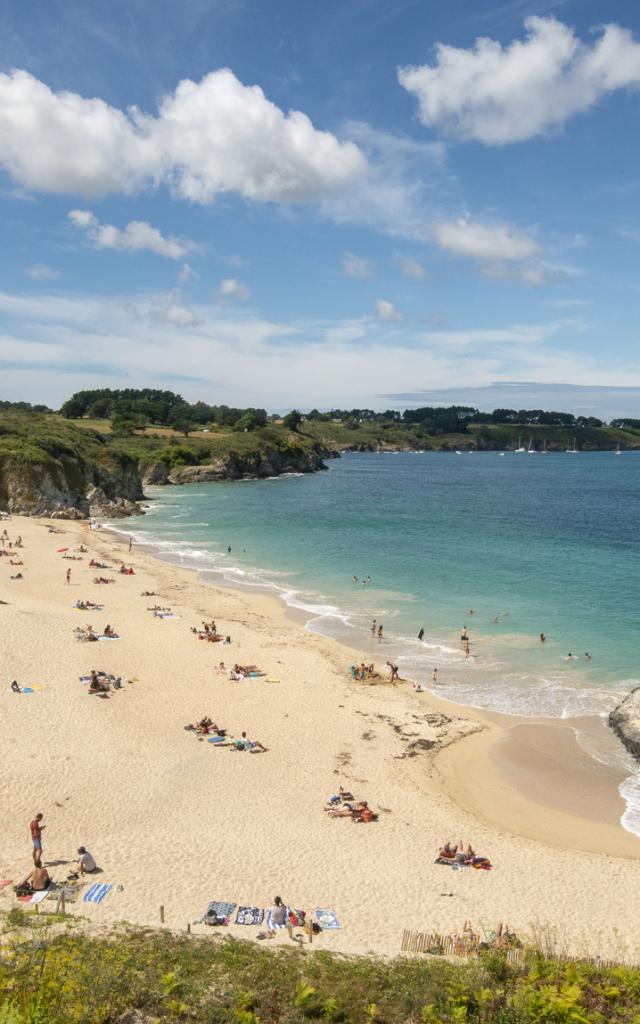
(218, 912)
(249, 915)
(224, 740)
(97, 892)
(326, 919)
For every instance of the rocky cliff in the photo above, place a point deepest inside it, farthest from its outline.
(625, 722)
(263, 463)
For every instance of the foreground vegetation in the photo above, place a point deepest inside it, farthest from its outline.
(52, 974)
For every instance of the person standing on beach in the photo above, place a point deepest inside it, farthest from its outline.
(373, 628)
(542, 638)
(421, 634)
(36, 830)
(380, 632)
(434, 676)
(68, 579)
(129, 545)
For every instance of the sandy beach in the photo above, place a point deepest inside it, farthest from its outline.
(177, 822)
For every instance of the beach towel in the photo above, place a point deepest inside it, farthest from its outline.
(218, 912)
(36, 897)
(109, 638)
(326, 919)
(97, 892)
(249, 915)
(4, 882)
(217, 739)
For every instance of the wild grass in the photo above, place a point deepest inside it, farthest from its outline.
(50, 974)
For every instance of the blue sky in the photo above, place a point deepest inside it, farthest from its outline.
(278, 203)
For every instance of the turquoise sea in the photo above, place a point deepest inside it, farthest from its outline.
(539, 543)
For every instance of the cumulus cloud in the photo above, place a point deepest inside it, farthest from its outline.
(354, 266)
(497, 95)
(208, 138)
(41, 272)
(137, 236)
(230, 288)
(387, 312)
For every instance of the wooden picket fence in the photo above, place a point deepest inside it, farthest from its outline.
(459, 946)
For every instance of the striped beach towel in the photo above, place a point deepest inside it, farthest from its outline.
(273, 926)
(97, 892)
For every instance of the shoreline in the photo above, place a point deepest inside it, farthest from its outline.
(519, 753)
(178, 823)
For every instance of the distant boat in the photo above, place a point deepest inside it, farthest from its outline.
(458, 452)
(502, 454)
(617, 451)
(531, 450)
(574, 450)
(520, 447)
(543, 450)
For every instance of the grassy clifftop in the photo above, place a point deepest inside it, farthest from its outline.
(56, 975)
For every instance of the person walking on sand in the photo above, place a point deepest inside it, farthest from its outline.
(68, 579)
(393, 672)
(129, 545)
(36, 830)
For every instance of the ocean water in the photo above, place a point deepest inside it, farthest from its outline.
(532, 544)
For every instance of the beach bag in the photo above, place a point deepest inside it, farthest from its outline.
(297, 918)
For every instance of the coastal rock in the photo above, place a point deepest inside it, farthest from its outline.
(155, 474)
(625, 722)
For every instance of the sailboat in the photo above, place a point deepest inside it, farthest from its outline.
(617, 451)
(520, 448)
(531, 450)
(574, 450)
(543, 450)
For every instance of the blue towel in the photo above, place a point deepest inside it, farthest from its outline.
(97, 892)
(326, 918)
(217, 739)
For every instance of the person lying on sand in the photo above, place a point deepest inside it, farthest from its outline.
(148, 593)
(253, 746)
(18, 576)
(86, 606)
(158, 608)
(126, 572)
(97, 684)
(207, 727)
(447, 852)
(102, 579)
(85, 633)
(15, 561)
(98, 565)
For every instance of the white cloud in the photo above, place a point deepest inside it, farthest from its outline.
(356, 267)
(387, 312)
(141, 340)
(230, 288)
(498, 95)
(137, 236)
(411, 268)
(500, 251)
(209, 137)
(41, 272)
(518, 334)
(484, 242)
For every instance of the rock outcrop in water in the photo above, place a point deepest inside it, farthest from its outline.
(625, 722)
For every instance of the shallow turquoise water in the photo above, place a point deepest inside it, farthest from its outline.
(544, 543)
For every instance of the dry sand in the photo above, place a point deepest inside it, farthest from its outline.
(177, 822)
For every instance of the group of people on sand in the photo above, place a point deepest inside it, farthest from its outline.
(39, 879)
(363, 672)
(103, 682)
(87, 633)
(344, 805)
(207, 727)
(239, 672)
(209, 632)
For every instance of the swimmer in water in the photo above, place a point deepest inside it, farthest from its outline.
(542, 638)
(571, 657)
(355, 579)
(587, 656)
(434, 676)
(421, 634)
(373, 628)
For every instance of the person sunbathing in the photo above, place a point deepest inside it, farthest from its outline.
(447, 852)
(18, 576)
(206, 726)
(36, 881)
(98, 685)
(15, 688)
(110, 632)
(102, 579)
(126, 572)
(98, 565)
(15, 561)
